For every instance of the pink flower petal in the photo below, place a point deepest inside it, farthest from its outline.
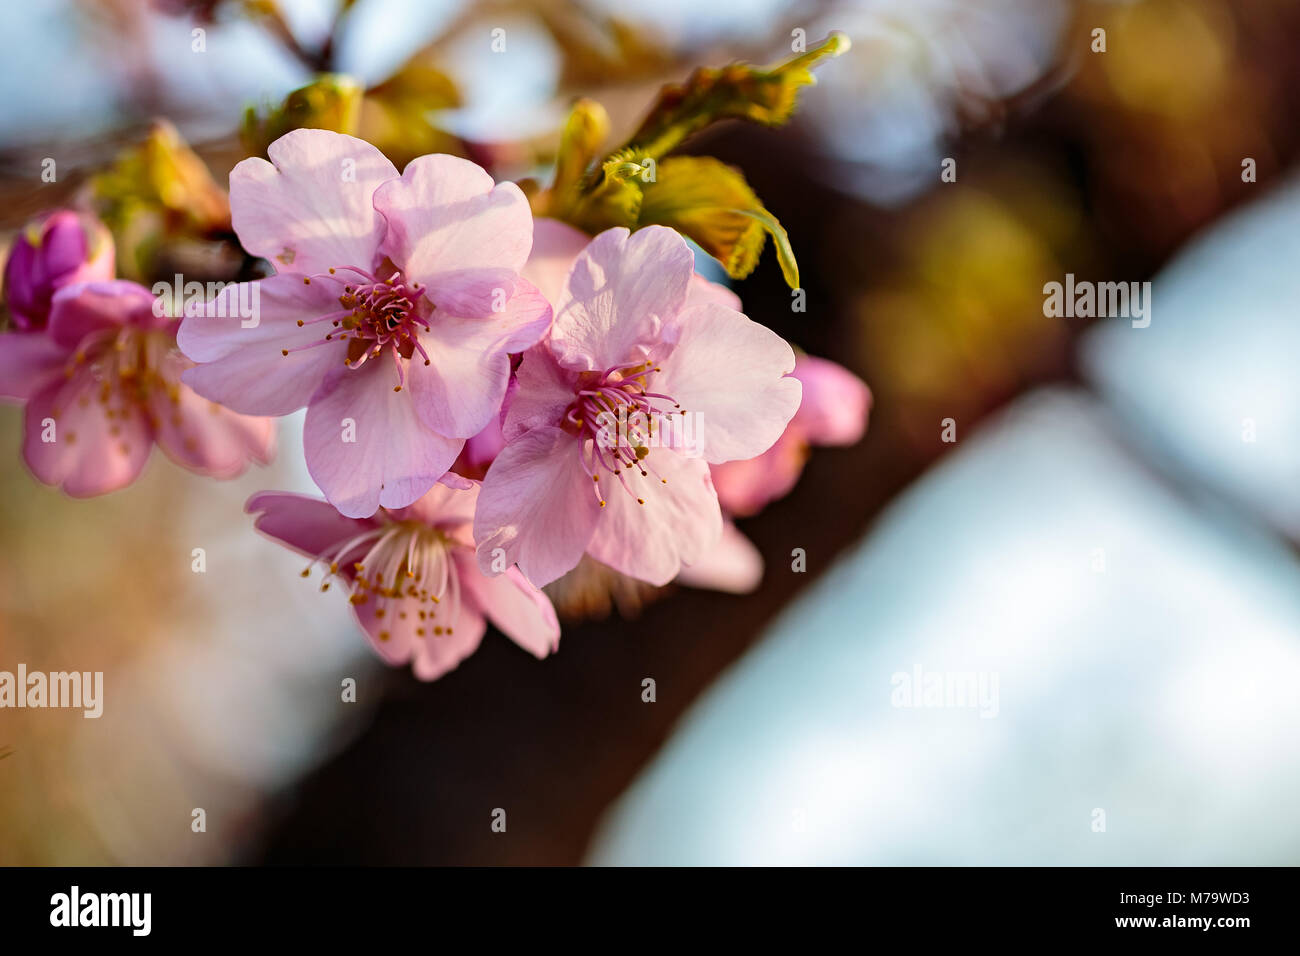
(443, 506)
(312, 206)
(473, 292)
(28, 362)
(746, 487)
(537, 505)
(205, 437)
(835, 403)
(545, 389)
(703, 292)
(246, 369)
(91, 454)
(394, 458)
(622, 290)
(395, 635)
(78, 311)
(310, 526)
(436, 654)
(733, 374)
(461, 392)
(522, 612)
(678, 523)
(555, 246)
(733, 565)
(446, 215)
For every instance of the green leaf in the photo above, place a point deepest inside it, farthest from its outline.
(736, 91)
(711, 202)
(331, 101)
(702, 198)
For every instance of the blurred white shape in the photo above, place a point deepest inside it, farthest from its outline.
(690, 24)
(1212, 383)
(1145, 633)
(1160, 689)
(69, 75)
(888, 107)
(507, 88)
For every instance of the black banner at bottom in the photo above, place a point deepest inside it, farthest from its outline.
(1228, 906)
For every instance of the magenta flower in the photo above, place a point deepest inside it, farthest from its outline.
(415, 588)
(396, 304)
(833, 411)
(63, 248)
(618, 413)
(103, 384)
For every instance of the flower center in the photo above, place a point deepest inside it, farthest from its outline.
(375, 316)
(122, 369)
(619, 420)
(405, 566)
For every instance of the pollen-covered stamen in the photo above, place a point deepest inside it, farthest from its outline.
(128, 368)
(404, 566)
(376, 316)
(616, 416)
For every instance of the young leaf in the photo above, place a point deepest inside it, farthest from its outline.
(711, 203)
(735, 91)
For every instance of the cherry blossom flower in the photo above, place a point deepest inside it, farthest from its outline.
(103, 384)
(414, 585)
(628, 345)
(833, 411)
(63, 248)
(396, 304)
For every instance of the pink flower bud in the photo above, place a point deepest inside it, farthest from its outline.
(55, 250)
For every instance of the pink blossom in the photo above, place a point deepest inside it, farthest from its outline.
(62, 248)
(627, 344)
(103, 384)
(732, 565)
(396, 304)
(833, 411)
(414, 585)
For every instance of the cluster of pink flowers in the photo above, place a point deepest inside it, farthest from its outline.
(492, 401)
(97, 367)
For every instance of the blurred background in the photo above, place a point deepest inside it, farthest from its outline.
(1158, 684)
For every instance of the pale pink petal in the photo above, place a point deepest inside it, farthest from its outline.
(732, 374)
(91, 453)
(28, 362)
(446, 215)
(835, 402)
(622, 291)
(245, 368)
(390, 625)
(394, 458)
(474, 292)
(455, 481)
(406, 630)
(443, 506)
(732, 565)
(78, 311)
(522, 612)
(462, 390)
(482, 448)
(205, 437)
(746, 487)
(703, 292)
(310, 526)
(679, 521)
(544, 390)
(436, 654)
(555, 246)
(537, 505)
(312, 206)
